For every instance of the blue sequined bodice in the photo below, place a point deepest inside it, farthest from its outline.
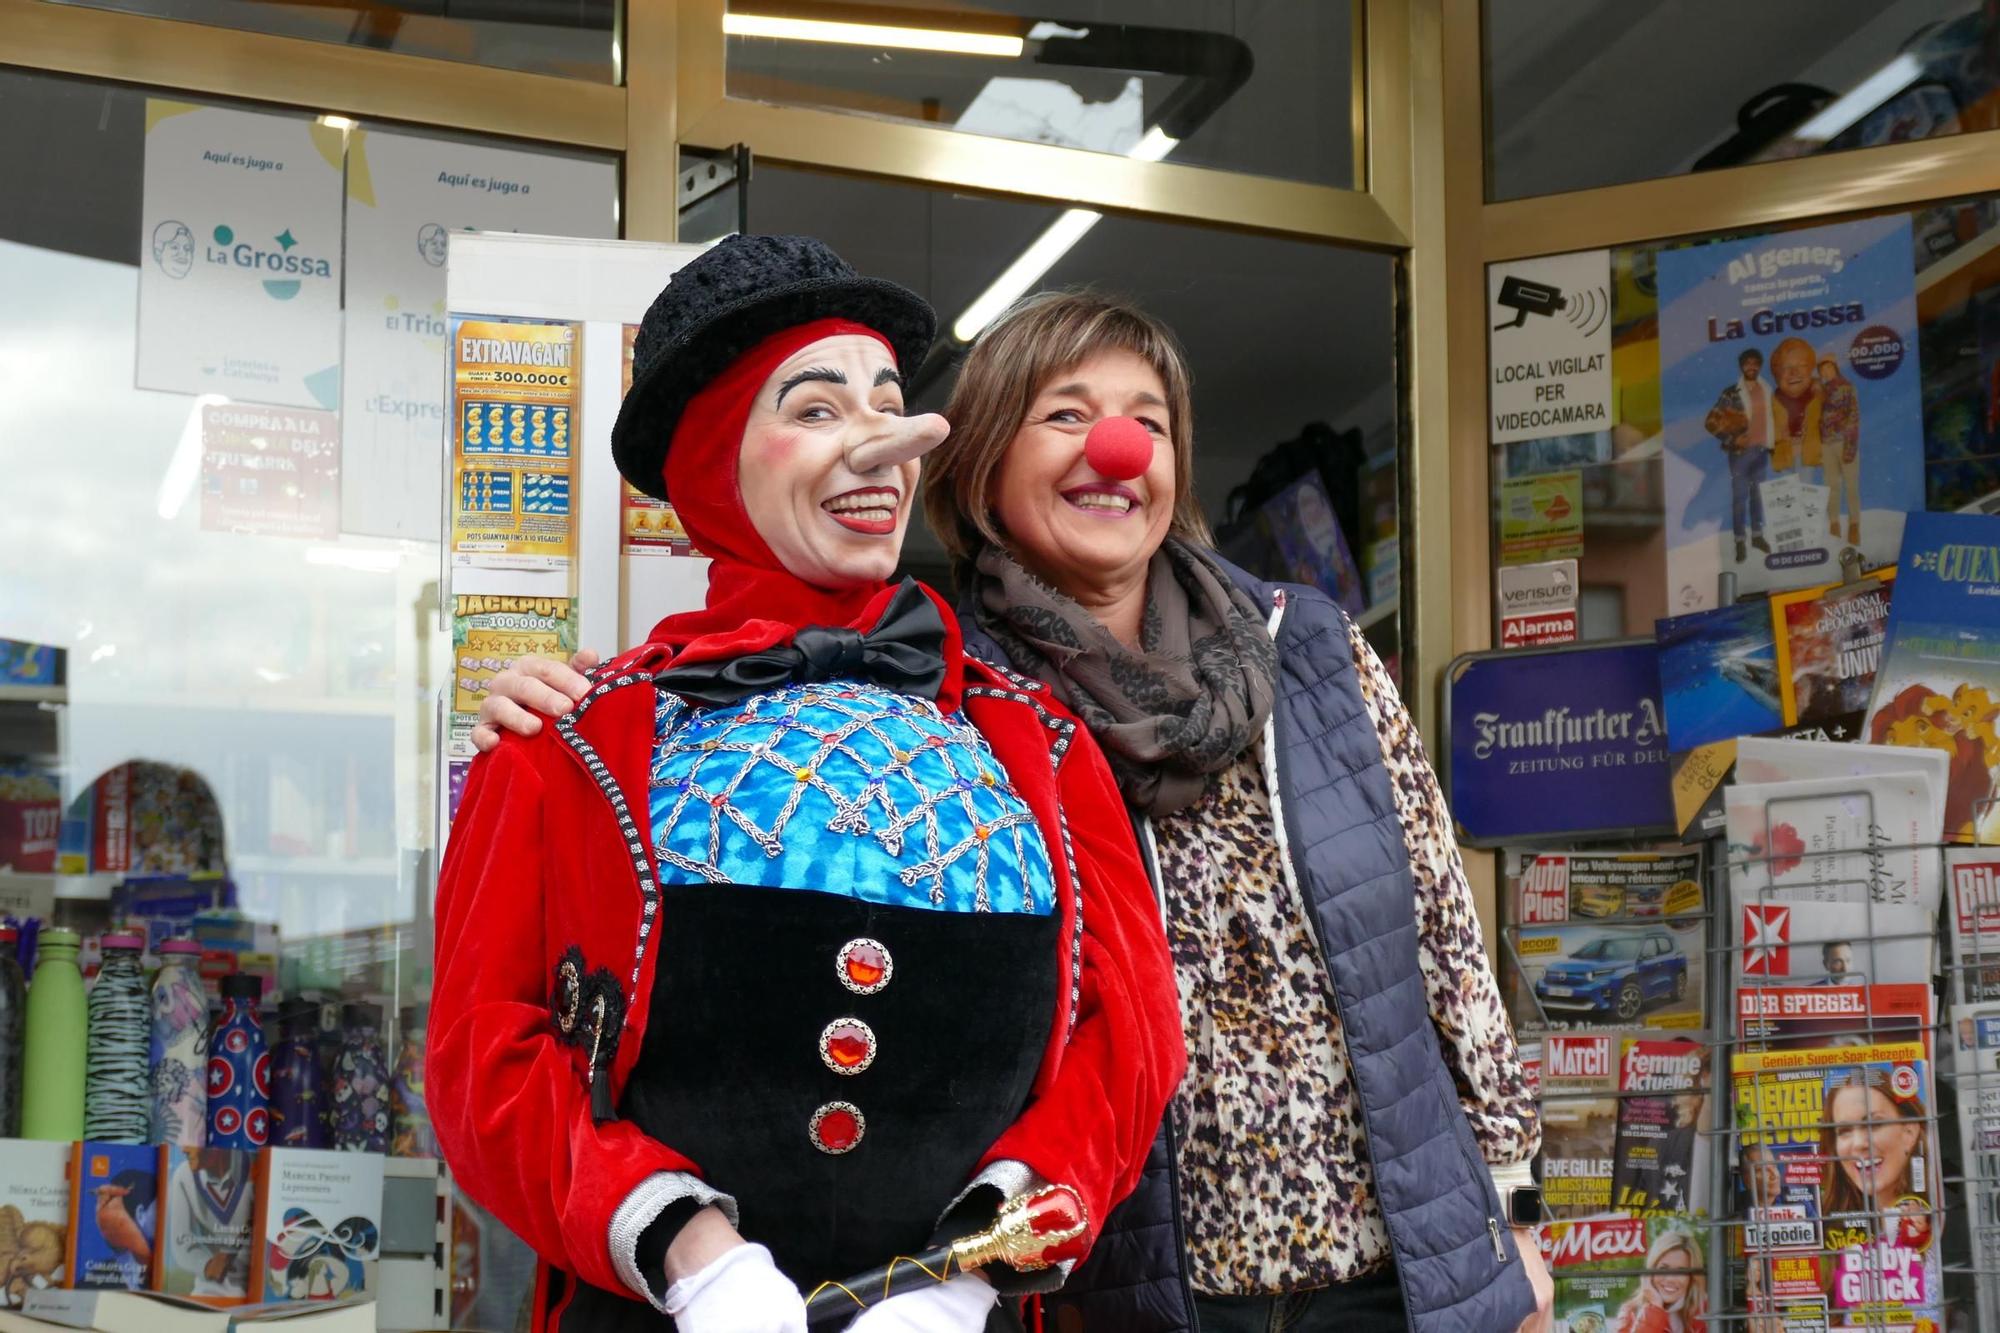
(844, 788)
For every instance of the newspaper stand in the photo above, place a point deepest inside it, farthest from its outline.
(1746, 1250)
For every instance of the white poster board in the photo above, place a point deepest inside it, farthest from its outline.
(240, 256)
(1550, 345)
(406, 197)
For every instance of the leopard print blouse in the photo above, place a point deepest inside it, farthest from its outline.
(1277, 1192)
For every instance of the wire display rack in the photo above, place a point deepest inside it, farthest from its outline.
(1844, 1188)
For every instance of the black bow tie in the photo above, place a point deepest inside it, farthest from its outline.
(904, 653)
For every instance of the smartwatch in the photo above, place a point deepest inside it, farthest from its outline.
(1524, 1206)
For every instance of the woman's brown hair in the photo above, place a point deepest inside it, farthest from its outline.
(1017, 356)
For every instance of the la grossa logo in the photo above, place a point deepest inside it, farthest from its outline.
(282, 267)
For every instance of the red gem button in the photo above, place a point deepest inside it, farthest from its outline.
(837, 1127)
(847, 1046)
(864, 966)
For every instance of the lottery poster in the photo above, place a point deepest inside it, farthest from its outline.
(489, 631)
(650, 526)
(514, 404)
(270, 471)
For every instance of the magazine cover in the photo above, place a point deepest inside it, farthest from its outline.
(1829, 645)
(205, 1237)
(1618, 1273)
(34, 1218)
(1579, 1123)
(1597, 977)
(1782, 943)
(114, 1214)
(1837, 839)
(1718, 681)
(1973, 877)
(1838, 1138)
(1940, 680)
(318, 1224)
(1977, 1065)
(1662, 1161)
(1549, 888)
(1793, 759)
(1791, 404)
(1777, 1018)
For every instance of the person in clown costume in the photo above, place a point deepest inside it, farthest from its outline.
(803, 941)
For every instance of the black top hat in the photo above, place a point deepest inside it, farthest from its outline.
(725, 302)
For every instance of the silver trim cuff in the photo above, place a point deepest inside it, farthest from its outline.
(648, 1199)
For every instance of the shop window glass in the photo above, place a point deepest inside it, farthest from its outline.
(1264, 88)
(206, 703)
(1594, 92)
(1627, 499)
(573, 39)
(1291, 346)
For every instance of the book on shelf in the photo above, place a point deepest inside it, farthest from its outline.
(34, 1218)
(318, 1224)
(114, 1210)
(205, 1229)
(1838, 1178)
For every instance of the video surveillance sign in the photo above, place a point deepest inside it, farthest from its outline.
(1550, 345)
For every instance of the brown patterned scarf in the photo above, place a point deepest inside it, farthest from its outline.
(1183, 707)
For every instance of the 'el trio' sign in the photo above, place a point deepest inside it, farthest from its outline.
(1557, 743)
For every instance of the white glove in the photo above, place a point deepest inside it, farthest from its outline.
(958, 1306)
(742, 1292)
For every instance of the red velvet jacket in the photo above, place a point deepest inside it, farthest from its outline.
(547, 855)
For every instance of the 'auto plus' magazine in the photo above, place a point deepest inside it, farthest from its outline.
(1599, 977)
(1579, 1122)
(1838, 1168)
(1554, 887)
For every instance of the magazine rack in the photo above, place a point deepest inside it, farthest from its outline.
(1852, 1153)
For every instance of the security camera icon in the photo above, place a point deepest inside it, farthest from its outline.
(1525, 297)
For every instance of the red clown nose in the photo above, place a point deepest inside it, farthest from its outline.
(1119, 448)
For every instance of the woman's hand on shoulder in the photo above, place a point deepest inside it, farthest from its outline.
(533, 685)
(719, 1283)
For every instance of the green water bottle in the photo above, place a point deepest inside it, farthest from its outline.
(52, 1086)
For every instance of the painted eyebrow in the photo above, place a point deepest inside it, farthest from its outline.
(822, 374)
(888, 375)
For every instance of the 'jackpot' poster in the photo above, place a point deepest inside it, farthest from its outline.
(1791, 405)
(514, 408)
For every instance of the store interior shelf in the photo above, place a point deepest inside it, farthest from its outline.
(1378, 613)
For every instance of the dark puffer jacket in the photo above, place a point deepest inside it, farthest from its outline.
(1340, 835)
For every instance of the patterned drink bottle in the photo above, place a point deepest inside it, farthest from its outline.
(361, 1082)
(52, 1081)
(13, 1031)
(116, 1104)
(179, 1047)
(239, 1070)
(406, 1091)
(298, 1094)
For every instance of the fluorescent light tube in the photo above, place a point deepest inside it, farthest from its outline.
(1869, 94)
(873, 34)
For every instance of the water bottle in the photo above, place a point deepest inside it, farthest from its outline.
(179, 1047)
(361, 1082)
(239, 1070)
(52, 1078)
(13, 1032)
(116, 1104)
(298, 1094)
